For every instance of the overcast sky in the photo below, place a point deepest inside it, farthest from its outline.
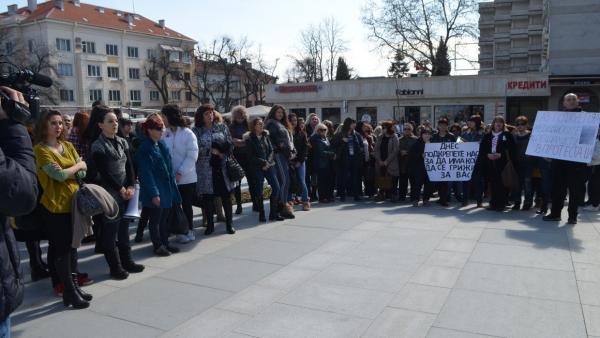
(273, 24)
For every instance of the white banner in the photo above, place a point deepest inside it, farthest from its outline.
(448, 162)
(567, 136)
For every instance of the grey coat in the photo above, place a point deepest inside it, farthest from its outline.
(205, 137)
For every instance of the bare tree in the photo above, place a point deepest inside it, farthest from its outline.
(158, 69)
(334, 45)
(419, 25)
(256, 78)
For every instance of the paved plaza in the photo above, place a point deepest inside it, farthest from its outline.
(347, 270)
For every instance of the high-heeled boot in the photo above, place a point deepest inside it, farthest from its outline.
(261, 210)
(86, 296)
(70, 295)
(114, 263)
(274, 209)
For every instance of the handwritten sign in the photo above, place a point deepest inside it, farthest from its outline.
(569, 136)
(450, 161)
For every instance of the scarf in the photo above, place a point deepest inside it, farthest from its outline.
(495, 137)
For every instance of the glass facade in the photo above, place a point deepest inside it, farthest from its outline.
(457, 113)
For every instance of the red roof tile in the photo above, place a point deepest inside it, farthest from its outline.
(90, 15)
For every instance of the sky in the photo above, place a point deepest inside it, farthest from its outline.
(275, 25)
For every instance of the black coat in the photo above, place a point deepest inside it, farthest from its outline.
(341, 148)
(301, 145)
(260, 151)
(18, 183)
(322, 153)
(505, 147)
(416, 162)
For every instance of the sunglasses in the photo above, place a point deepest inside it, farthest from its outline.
(521, 124)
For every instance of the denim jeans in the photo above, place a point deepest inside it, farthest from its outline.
(5, 328)
(301, 172)
(271, 176)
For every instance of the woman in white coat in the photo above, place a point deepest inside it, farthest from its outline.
(183, 147)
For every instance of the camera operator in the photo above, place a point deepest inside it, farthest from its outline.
(18, 186)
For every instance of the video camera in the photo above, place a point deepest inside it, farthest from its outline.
(22, 80)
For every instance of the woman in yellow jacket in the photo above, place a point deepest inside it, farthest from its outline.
(57, 167)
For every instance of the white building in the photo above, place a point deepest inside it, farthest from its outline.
(100, 53)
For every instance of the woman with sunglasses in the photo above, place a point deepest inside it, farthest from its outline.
(523, 164)
(158, 190)
(323, 157)
(214, 146)
(58, 166)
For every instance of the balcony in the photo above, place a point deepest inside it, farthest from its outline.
(519, 69)
(515, 51)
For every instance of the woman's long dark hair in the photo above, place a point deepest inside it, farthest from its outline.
(93, 130)
(284, 120)
(199, 116)
(173, 115)
(346, 125)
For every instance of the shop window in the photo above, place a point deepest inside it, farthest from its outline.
(414, 114)
(331, 114)
(300, 112)
(457, 113)
(367, 114)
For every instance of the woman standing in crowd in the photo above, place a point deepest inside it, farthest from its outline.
(440, 137)
(405, 143)
(237, 128)
(158, 190)
(369, 153)
(262, 162)
(473, 189)
(348, 149)
(299, 162)
(418, 171)
(214, 146)
(311, 176)
(323, 157)
(75, 136)
(115, 169)
(496, 149)
(57, 167)
(183, 149)
(278, 125)
(386, 158)
(523, 164)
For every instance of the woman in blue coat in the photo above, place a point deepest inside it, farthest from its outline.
(158, 190)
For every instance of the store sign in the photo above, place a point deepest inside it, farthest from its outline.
(527, 85)
(298, 89)
(569, 136)
(409, 92)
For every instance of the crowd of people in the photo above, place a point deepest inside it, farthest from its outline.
(180, 162)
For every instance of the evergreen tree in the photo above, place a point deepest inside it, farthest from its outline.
(441, 66)
(399, 67)
(342, 71)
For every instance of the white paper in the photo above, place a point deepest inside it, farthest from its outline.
(450, 162)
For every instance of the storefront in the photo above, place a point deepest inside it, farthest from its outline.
(587, 89)
(417, 99)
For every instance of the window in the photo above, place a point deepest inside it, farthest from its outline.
(112, 72)
(175, 95)
(135, 95)
(332, 114)
(95, 95)
(94, 71)
(151, 54)
(187, 57)
(174, 56)
(188, 96)
(186, 76)
(88, 47)
(63, 45)
(66, 95)
(114, 95)
(132, 52)
(65, 69)
(112, 50)
(31, 45)
(457, 113)
(154, 95)
(134, 73)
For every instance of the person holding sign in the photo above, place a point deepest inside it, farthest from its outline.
(440, 137)
(417, 170)
(567, 175)
(497, 148)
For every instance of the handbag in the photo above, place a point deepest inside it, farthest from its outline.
(235, 172)
(87, 203)
(178, 223)
(383, 181)
(510, 177)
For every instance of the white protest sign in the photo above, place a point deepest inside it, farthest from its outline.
(447, 162)
(569, 136)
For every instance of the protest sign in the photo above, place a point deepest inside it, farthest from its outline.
(569, 136)
(450, 161)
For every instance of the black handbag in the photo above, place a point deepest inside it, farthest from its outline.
(178, 223)
(235, 172)
(87, 203)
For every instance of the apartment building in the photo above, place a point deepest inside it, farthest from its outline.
(100, 53)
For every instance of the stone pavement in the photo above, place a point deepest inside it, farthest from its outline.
(344, 270)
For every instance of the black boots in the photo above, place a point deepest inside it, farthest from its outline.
(210, 223)
(228, 217)
(39, 270)
(70, 295)
(84, 295)
(274, 209)
(114, 263)
(261, 210)
(127, 262)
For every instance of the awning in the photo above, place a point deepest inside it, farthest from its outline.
(171, 48)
